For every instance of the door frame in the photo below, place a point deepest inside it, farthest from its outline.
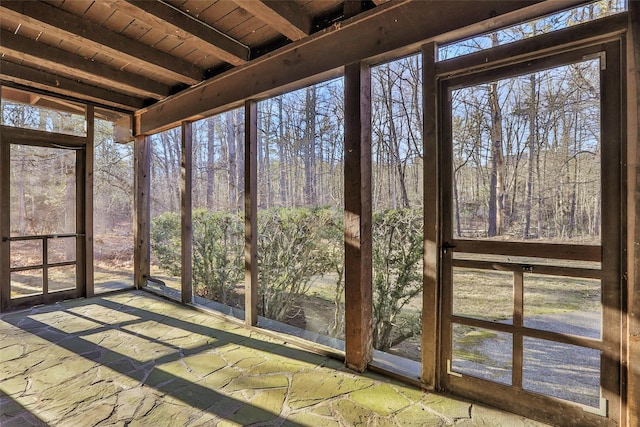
(20, 136)
(611, 381)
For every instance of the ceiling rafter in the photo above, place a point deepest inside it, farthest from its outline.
(185, 27)
(55, 21)
(285, 16)
(45, 80)
(57, 59)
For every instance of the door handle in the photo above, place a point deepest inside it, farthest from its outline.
(446, 246)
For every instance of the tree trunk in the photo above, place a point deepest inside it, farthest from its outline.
(281, 156)
(496, 191)
(231, 170)
(310, 148)
(532, 156)
(211, 158)
(239, 136)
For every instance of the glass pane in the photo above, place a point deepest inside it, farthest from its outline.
(25, 253)
(300, 213)
(566, 18)
(166, 242)
(563, 304)
(61, 249)
(62, 278)
(43, 190)
(482, 353)
(24, 283)
(526, 153)
(562, 370)
(397, 182)
(34, 111)
(218, 212)
(113, 206)
(483, 294)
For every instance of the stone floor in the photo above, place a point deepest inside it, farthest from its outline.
(134, 359)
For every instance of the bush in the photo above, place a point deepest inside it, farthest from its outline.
(397, 276)
(218, 256)
(294, 246)
(218, 250)
(166, 242)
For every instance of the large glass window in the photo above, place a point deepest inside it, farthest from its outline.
(42, 219)
(546, 24)
(397, 181)
(112, 206)
(526, 154)
(38, 112)
(165, 205)
(300, 213)
(218, 212)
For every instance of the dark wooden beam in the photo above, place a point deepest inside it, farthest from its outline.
(5, 225)
(186, 166)
(57, 84)
(41, 138)
(167, 18)
(97, 73)
(357, 217)
(285, 16)
(394, 27)
(431, 261)
(59, 23)
(86, 213)
(632, 398)
(251, 213)
(612, 226)
(142, 215)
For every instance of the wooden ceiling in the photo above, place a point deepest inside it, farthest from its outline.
(130, 54)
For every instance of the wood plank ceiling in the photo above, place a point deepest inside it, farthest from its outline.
(130, 54)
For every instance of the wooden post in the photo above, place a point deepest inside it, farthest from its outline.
(431, 271)
(633, 212)
(251, 212)
(357, 219)
(5, 227)
(142, 162)
(611, 220)
(186, 220)
(85, 210)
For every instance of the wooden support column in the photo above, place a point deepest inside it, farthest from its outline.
(87, 211)
(251, 212)
(633, 215)
(357, 219)
(431, 271)
(142, 164)
(186, 166)
(5, 227)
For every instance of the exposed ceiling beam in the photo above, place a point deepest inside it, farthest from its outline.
(44, 80)
(392, 29)
(57, 59)
(285, 16)
(60, 23)
(173, 21)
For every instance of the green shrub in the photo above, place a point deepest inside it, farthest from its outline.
(294, 245)
(218, 250)
(166, 242)
(397, 275)
(218, 255)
